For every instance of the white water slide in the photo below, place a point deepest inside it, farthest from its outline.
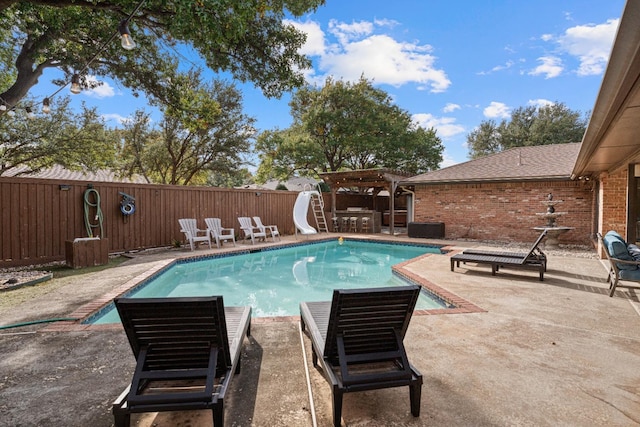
(300, 210)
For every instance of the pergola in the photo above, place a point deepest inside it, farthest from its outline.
(375, 179)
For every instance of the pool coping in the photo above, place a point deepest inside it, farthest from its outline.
(90, 309)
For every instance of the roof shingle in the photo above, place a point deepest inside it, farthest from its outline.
(515, 164)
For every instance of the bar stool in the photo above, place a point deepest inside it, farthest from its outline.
(335, 224)
(364, 226)
(345, 224)
(353, 221)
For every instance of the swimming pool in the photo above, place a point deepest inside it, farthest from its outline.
(275, 281)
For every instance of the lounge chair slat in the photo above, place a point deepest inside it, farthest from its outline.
(363, 327)
(180, 339)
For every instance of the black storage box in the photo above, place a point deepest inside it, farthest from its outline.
(432, 230)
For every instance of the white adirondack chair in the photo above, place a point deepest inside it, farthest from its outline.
(250, 230)
(189, 226)
(273, 229)
(218, 232)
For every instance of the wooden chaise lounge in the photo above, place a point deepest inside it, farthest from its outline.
(187, 351)
(498, 262)
(535, 259)
(358, 339)
(534, 254)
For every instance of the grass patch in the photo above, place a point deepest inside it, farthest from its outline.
(62, 270)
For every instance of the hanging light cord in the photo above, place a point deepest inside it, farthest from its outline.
(93, 58)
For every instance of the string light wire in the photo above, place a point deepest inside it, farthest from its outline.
(124, 22)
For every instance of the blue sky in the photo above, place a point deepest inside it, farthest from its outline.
(450, 64)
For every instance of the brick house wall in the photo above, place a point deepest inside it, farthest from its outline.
(613, 201)
(506, 211)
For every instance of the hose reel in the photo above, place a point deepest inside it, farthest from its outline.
(127, 204)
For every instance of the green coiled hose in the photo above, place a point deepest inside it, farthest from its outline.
(98, 215)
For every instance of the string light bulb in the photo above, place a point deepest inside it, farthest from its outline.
(75, 84)
(46, 108)
(125, 36)
(125, 40)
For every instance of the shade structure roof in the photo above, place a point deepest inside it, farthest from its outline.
(378, 179)
(364, 178)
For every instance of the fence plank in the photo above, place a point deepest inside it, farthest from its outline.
(39, 215)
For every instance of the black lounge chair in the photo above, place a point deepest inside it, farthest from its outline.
(187, 350)
(534, 254)
(358, 336)
(534, 259)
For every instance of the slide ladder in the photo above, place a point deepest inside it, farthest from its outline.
(317, 205)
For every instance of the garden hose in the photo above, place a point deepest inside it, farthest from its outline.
(37, 322)
(98, 215)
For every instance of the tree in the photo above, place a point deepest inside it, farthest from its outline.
(230, 179)
(207, 133)
(484, 140)
(136, 157)
(346, 126)
(248, 39)
(549, 124)
(73, 140)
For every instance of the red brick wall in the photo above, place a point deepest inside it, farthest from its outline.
(506, 211)
(613, 209)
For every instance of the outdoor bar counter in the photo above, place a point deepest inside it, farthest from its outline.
(375, 222)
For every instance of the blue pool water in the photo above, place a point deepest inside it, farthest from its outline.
(274, 282)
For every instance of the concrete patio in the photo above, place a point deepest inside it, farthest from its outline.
(553, 353)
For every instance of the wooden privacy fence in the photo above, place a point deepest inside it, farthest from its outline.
(39, 215)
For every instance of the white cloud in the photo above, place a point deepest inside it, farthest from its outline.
(540, 102)
(104, 90)
(386, 23)
(116, 117)
(504, 66)
(551, 67)
(591, 44)
(348, 32)
(445, 126)
(497, 110)
(450, 107)
(315, 43)
(362, 48)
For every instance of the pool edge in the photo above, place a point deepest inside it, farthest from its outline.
(92, 308)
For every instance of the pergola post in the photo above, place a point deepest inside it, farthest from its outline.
(392, 207)
(334, 190)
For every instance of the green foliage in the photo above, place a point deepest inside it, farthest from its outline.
(7, 56)
(284, 154)
(344, 126)
(550, 124)
(207, 135)
(324, 187)
(230, 179)
(248, 39)
(73, 140)
(281, 186)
